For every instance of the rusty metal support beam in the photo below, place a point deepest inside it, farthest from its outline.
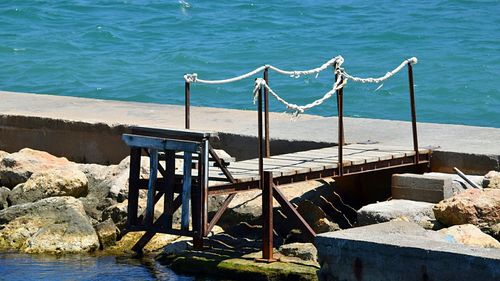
(266, 115)
(221, 165)
(221, 211)
(267, 215)
(340, 96)
(413, 111)
(261, 149)
(200, 198)
(292, 214)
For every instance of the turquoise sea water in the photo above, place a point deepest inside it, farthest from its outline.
(139, 51)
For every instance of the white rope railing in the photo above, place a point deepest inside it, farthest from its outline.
(383, 78)
(336, 62)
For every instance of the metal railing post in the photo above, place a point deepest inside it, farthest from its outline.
(259, 136)
(340, 97)
(413, 112)
(266, 115)
(267, 215)
(187, 104)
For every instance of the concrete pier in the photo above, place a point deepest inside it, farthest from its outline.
(401, 251)
(88, 130)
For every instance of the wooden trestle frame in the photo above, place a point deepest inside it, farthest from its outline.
(192, 187)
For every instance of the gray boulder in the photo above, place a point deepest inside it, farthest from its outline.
(316, 217)
(304, 251)
(17, 167)
(50, 225)
(118, 214)
(413, 211)
(111, 181)
(106, 231)
(492, 180)
(4, 194)
(60, 181)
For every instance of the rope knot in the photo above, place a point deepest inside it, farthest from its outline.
(191, 78)
(413, 60)
(259, 82)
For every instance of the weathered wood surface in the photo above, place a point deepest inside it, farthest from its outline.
(311, 160)
(182, 134)
(159, 143)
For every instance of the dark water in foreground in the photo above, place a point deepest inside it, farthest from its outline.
(36, 267)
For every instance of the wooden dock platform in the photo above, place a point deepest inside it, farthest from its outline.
(316, 163)
(183, 162)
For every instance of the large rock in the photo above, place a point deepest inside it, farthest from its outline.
(157, 243)
(118, 214)
(108, 185)
(106, 231)
(474, 206)
(111, 181)
(304, 251)
(316, 217)
(17, 167)
(413, 211)
(4, 194)
(469, 234)
(492, 180)
(60, 181)
(54, 225)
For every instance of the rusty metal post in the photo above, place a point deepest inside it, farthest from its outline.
(413, 112)
(259, 136)
(338, 100)
(340, 96)
(266, 115)
(267, 215)
(187, 101)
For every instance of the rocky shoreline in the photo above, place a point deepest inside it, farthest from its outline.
(50, 205)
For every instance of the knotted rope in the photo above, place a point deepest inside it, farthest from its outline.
(336, 62)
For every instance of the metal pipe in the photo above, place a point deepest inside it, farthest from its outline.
(259, 135)
(340, 94)
(267, 214)
(187, 111)
(413, 113)
(266, 115)
(338, 100)
(463, 176)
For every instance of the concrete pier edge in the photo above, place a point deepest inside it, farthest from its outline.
(89, 130)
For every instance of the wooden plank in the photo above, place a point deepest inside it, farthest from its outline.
(169, 187)
(160, 143)
(153, 171)
(186, 191)
(133, 186)
(173, 133)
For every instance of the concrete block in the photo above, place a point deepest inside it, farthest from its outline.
(458, 184)
(401, 251)
(421, 187)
